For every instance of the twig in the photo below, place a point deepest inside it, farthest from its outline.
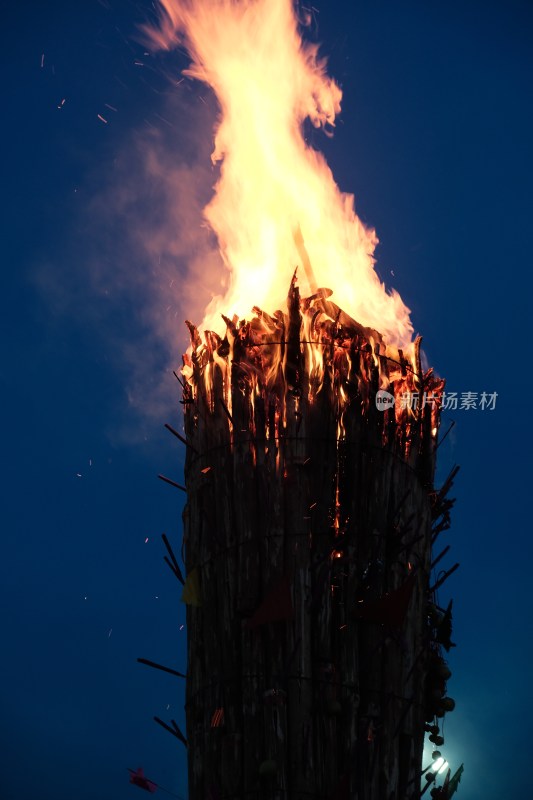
(175, 731)
(174, 566)
(174, 571)
(440, 556)
(178, 378)
(159, 666)
(444, 577)
(445, 435)
(181, 438)
(172, 483)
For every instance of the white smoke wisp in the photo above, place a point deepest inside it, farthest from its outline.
(122, 272)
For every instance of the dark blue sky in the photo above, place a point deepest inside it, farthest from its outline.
(435, 143)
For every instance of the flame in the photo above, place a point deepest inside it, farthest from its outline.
(274, 190)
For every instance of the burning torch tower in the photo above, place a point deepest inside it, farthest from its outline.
(314, 659)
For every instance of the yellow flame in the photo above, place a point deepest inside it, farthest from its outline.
(268, 81)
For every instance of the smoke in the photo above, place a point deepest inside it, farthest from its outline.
(122, 273)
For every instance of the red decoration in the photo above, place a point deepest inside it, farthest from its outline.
(391, 608)
(139, 780)
(217, 720)
(276, 606)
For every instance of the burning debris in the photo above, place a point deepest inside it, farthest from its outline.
(282, 364)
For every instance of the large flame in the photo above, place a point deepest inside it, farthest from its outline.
(275, 192)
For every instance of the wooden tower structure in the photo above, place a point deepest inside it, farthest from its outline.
(314, 649)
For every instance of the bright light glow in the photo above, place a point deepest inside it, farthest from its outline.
(440, 765)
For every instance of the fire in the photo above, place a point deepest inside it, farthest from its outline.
(274, 376)
(275, 192)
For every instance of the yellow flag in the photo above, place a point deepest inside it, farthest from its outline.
(191, 589)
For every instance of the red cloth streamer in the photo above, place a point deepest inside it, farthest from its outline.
(391, 608)
(218, 718)
(276, 606)
(139, 780)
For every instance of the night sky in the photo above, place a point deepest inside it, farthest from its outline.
(435, 142)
